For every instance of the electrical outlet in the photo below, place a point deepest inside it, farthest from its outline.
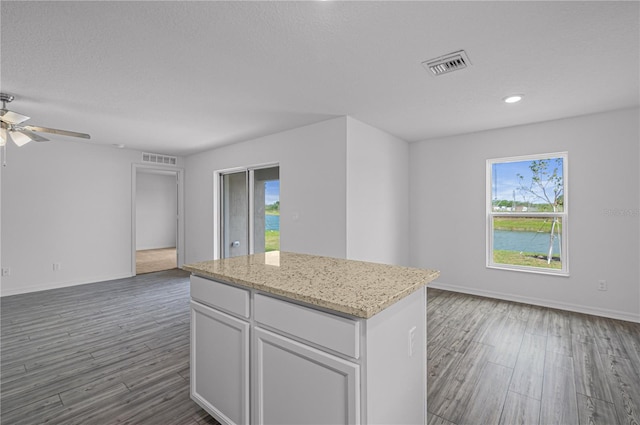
(412, 340)
(6, 271)
(57, 266)
(602, 285)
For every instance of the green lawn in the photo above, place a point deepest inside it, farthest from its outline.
(271, 240)
(526, 259)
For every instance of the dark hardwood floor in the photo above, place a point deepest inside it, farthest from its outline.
(102, 353)
(498, 362)
(118, 352)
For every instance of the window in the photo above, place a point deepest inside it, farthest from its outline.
(249, 211)
(527, 213)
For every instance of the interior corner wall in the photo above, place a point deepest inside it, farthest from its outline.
(377, 195)
(156, 209)
(312, 163)
(448, 217)
(66, 203)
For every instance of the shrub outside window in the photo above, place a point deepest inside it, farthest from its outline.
(527, 213)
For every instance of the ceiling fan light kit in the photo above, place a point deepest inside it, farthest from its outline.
(12, 128)
(19, 138)
(4, 135)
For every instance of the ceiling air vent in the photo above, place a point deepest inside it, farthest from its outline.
(159, 159)
(447, 63)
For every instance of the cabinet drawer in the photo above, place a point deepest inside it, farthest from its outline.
(220, 295)
(327, 330)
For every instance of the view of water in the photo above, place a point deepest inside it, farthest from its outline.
(503, 239)
(272, 222)
(524, 241)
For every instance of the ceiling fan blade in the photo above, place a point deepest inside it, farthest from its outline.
(33, 136)
(12, 117)
(56, 131)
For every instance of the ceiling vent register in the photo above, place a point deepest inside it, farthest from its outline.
(159, 159)
(447, 63)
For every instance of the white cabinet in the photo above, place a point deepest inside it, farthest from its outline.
(220, 364)
(259, 359)
(297, 384)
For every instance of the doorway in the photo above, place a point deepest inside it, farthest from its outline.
(249, 211)
(156, 218)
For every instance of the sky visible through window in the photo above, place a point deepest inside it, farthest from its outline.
(272, 191)
(506, 183)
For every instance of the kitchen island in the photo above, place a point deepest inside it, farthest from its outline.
(292, 338)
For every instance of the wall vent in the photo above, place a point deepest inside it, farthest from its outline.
(159, 159)
(447, 63)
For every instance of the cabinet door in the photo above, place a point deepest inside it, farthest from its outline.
(220, 364)
(298, 384)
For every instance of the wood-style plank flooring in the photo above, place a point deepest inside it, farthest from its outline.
(102, 353)
(498, 362)
(118, 352)
(155, 260)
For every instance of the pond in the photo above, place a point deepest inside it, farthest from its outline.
(503, 239)
(524, 241)
(271, 222)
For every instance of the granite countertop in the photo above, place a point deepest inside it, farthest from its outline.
(355, 288)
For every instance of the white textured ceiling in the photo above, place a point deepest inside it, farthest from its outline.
(182, 77)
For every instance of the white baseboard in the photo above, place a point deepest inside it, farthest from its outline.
(613, 314)
(56, 285)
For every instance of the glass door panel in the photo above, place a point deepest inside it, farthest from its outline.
(235, 215)
(266, 209)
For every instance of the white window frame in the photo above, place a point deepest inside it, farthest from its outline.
(563, 215)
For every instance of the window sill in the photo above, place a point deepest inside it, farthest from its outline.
(535, 270)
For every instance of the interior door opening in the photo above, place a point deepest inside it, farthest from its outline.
(157, 212)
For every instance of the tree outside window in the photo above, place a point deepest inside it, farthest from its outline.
(527, 213)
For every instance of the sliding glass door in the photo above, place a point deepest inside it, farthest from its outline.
(250, 211)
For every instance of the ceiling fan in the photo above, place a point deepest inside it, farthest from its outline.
(13, 129)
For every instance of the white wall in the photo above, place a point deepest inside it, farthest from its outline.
(67, 203)
(312, 188)
(377, 195)
(156, 209)
(447, 212)
(343, 191)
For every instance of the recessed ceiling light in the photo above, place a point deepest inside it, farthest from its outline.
(118, 145)
(514, 98)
